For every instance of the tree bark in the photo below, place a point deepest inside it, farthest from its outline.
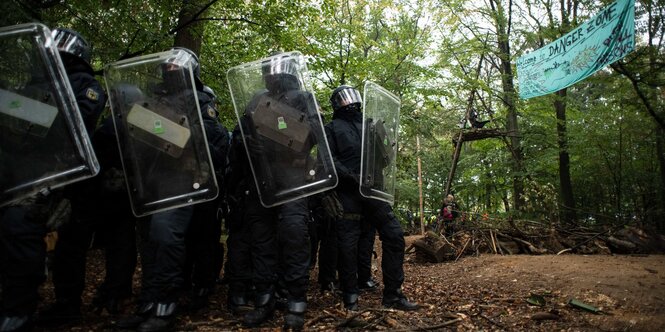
(660, 150)
(567, 209)
(189, 32)
(503, 25)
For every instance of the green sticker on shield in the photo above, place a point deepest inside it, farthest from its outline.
(281, 124)
(14, 104)
(157, 127)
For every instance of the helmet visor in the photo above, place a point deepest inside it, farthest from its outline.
(346, 97)
(275, 66)
(71, 43)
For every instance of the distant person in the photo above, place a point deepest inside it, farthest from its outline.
(449, 213)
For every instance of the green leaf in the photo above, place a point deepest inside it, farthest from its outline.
(581, 305)
(536, 299)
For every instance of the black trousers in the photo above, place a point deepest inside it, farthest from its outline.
(113, 228)
(163, 253)
(22, 256)
(268, 245)
(365, 251)
(380, 215)
(204, 251)
(327, 253)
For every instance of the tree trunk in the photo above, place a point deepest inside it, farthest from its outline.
(503, 25)
(189, 32)
(660, 150)
(567, 209)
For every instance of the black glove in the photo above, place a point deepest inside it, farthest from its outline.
(332, 206)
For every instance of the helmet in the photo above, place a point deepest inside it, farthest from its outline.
(279, 64)
(345, 96)
(174, 69)
(280, 73)
(210, 92)
(71, 42)
(196, 65)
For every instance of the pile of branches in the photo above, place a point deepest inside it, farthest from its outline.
(528, 237)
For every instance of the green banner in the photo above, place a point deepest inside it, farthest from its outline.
(603, 39)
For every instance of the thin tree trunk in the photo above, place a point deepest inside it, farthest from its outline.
(660, 150)
(567, 209)
(503, 25)
(420, 188)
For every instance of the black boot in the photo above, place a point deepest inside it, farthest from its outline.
(397, 300)
(368, 286)
(238, 304)
(350, 301)
(198, 298)
(162, 320)
(15, 323)
(294, 319)
(60, 313)
(264, 307)
(112, 303)
(142, 314)
(281, 299)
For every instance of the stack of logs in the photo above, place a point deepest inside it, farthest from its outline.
(535, 240)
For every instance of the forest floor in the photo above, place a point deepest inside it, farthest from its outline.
(489, 293)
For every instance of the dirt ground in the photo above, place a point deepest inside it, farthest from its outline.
(486, 293)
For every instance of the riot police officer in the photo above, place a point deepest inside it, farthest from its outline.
(23, 225)
(344, 134)
(163, 244)
(269, 244)
(100, 211)
(100, 207)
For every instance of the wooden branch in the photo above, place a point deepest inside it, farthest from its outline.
(193, 19)
(462, 251)
(432, 327)
(493, 243)
(357, 314)
(529, 245)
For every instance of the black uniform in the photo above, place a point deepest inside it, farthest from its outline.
(23, 225)
(163, 234)
(344, 134)
(267, 244)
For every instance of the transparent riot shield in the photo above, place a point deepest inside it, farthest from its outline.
(160, 132)
(379, 143)
(43, 141)
(282, 128)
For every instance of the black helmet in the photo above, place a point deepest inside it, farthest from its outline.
(280, 73)
(71, 42)
(196, 64)
(279, 64)
(208, 90)
(174, 69)
(345, 96)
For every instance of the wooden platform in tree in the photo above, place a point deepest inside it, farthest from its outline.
(475, 134)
